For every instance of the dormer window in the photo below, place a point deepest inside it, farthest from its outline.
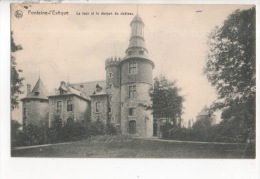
(36, 93)
(98, 88)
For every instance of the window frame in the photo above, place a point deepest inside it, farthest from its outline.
(98, 105)
(59, 107)
(132, 68)
(110, 75)
(69, 105)
(132, 91)
(132, 111)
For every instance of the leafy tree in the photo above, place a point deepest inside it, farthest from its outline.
(16, 80)
(15, 125)
(167, 102)
(231, 67)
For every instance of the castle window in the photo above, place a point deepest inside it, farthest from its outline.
(109, 109)
(131, 112)
(98, 106)
(130, 52)
(59, 106)
(110, 98)
(69, 105)
(110, 85)
(110, 75)
(141, 52)
(132, 91)
(132, 68)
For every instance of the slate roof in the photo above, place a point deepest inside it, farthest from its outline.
(89, 88)
(38, 92)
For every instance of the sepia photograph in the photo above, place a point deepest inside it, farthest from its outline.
(171, 81)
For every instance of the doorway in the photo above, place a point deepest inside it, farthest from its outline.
(132, 127)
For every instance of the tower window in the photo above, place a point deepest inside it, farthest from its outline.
(141, 52)
(109, 109)
(130, 52)
(36, 93)
(110, 85)
(132, 68)
(132, 91)
(59, 106)
(110, 75)
(110, 98)
(69, 105)
(131, 112)
(98, 106)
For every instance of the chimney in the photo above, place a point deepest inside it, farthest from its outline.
(81, 90)
(28, 88)
(62, 83)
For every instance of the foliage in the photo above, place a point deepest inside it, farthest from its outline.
(31, 135)
(15, 125)
(231, 67)
(167, 102)
(16, 80)
(71, 131)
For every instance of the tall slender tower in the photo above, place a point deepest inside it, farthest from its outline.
(136, 80)
(112, 67)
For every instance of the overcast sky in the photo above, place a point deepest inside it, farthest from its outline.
(75, 47)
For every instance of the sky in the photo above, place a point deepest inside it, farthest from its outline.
(74, 47)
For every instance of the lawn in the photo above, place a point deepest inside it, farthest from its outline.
(127, 147)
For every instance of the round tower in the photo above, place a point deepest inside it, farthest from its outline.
(113, 90)
(136, 81)
(35, 105)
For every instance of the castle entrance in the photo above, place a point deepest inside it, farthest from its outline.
(154, 129)
(132, 127)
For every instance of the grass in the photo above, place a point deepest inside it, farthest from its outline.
(127, 147)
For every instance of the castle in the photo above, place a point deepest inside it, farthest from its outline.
(119, 100)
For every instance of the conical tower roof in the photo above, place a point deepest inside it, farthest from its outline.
(137, 48)
(38, 92)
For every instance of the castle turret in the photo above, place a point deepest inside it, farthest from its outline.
(112, 67)
(35, 105)
(136, 80)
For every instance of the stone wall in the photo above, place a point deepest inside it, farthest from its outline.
(143, 117)
(80, 108)
(143, 75)
(102, 115)
(36, 112)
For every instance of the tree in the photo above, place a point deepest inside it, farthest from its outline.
(167, 102)
(16, 80)
(231, 68)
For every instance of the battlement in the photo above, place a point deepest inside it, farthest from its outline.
(113, 61)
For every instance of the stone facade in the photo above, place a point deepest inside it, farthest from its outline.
(35, 105)
(59, 106)
(120, 99)
(35, 112)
